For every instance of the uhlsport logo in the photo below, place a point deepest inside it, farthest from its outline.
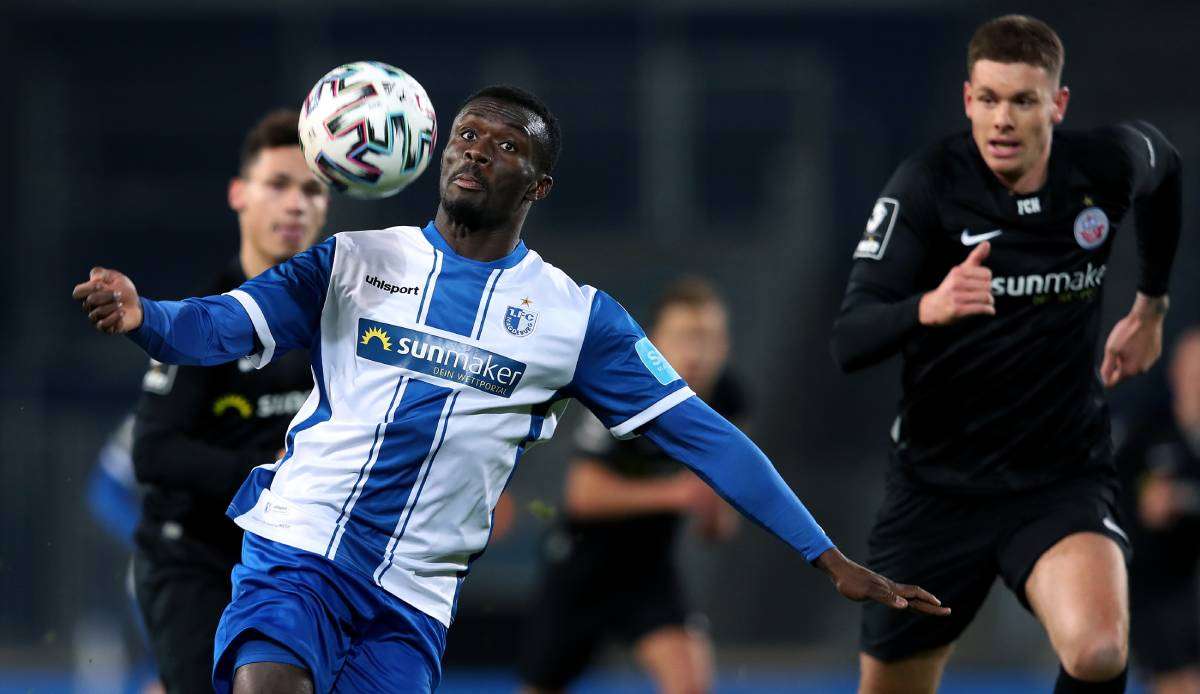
(1091, 227)
(519, 321)
(379, 283)
(440, 357)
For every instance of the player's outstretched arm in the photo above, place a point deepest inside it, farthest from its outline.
(720, 454)
(205, 331)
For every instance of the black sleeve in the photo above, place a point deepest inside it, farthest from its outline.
(166, 450)
(593, 440)
(879, 311)
(1157, 202)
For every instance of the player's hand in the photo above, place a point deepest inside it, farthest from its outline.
(110, 301)
(965, 291)
(1157, 508)
(1135, 342)
(712, 518)
(859, 583)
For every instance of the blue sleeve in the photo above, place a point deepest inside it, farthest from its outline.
(285, 302)
(205, 331)
(695, 435)
(114, 505)
(620, 376)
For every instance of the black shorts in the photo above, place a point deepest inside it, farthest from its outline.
(955, 545)
(600, 581)
(182, 586)
(1164, 599)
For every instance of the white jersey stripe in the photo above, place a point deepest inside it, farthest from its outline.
(625, 429)
(402, 524)
(260, 327)
(365, 472)
(430, 284)
(488, 289)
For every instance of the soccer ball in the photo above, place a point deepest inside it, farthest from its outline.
(367, 129)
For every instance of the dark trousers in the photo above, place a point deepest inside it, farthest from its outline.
(182, 587)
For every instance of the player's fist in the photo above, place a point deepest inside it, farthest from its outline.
(965, 291)
(110, 301)
(859, 583)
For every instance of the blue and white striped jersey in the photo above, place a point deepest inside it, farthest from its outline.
(433, 374)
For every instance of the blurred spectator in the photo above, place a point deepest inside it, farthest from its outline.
(609, 568)
(1159, 458)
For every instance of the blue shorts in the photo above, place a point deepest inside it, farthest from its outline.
(350, 634)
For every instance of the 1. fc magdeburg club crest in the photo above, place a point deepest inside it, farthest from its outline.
(519, 321)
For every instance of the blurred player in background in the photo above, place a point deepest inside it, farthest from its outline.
(359, 538)
(113, 496)
(200, 431)
(1158, 456)
(982, 263)
(624, 504)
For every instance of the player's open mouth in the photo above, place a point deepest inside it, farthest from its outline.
(468, 181)
(1003, 149)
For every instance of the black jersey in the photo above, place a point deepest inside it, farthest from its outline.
(200, 430)
(1011, 401)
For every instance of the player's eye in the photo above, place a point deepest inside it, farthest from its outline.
(313, 189)
(468, 135)
(278, 183)
(508, 146)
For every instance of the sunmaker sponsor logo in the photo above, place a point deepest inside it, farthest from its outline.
(379, 283)
(439, 357)
(1050, 283)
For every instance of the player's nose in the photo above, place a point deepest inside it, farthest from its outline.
(476, 155)
(295, 200)
(1004, 118)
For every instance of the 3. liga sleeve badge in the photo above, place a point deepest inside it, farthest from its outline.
(879, 229)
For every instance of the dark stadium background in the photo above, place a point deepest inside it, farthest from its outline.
(742, 141)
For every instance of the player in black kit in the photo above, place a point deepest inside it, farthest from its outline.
(983, 263)
(610, 570)
(1158, 456)
(200, 431)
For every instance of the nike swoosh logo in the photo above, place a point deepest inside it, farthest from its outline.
(1111, 525)
(969, 239)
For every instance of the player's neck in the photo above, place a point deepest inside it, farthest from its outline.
(253, 263)
(484, 244)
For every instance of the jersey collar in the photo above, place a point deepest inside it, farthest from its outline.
(434, 237)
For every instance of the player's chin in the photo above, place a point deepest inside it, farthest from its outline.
(1005, 165)
(470, 211)
(282, 250)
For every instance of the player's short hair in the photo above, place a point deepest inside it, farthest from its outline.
(690, 292)
(1017, 38)
(548, 146)
(278, 128)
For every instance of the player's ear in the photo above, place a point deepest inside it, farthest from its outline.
(1061, 97)
(236, 193)
(540, 189)
(967, 97)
